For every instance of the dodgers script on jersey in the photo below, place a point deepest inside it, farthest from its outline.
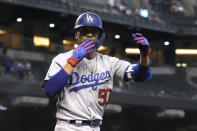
(90, 86)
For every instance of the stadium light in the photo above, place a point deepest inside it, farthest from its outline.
(51, 25)
(117, 36)
(166, 43)
(30, 100)
(181, 65)
(132, 51)
(178, 64)
(144, 13)
(2, 32)
(67, 42)
(115, 108)
(41, 41)
(171, 113)
(184, 64)
(3, 108)
(19, 19)
(186, 51)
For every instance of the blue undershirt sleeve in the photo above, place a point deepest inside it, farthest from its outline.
(56, 83)
(139, 73)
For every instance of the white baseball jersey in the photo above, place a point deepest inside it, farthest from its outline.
(90, 86)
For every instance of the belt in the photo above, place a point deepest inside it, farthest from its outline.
(93, 123)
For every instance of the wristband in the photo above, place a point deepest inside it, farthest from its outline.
(72, 61)
(145, 53)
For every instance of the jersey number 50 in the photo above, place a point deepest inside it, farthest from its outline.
(104, 95)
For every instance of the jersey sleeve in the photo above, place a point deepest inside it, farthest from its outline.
(53, 69)
(57, 64)
(119, 67)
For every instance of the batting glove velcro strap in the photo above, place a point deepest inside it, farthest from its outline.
(142, 43)
(72, 61)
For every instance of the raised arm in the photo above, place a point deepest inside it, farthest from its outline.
(141, 71)
(57, 82)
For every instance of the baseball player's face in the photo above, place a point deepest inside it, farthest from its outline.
(84, 33)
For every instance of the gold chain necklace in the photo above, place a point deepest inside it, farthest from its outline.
(89, 68)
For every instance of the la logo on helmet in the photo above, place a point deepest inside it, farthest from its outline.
(89, 18)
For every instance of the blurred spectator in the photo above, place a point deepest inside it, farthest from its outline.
(2, 69)
(195, 22)
(129, 12)
(121, 6)
(179, 8)
(4, 49)
(173, 7)
(20, 66)
(1, 49)
(153, 16)
(144, 3)
(28, 70)
(176, 7)
(14, 70)
(111, 3)
(8, 66)
(64, 2)
(137, 11)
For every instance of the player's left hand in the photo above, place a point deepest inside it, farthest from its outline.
(142, 43)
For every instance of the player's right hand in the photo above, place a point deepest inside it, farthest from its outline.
(83, 49)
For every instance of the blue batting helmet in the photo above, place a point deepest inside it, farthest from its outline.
(88, 19)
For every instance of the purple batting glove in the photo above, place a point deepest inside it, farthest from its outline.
(142, 43)
(83, 49)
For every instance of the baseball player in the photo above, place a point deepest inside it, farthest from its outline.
(82, 79)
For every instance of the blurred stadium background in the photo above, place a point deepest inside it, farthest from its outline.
(32, 32)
